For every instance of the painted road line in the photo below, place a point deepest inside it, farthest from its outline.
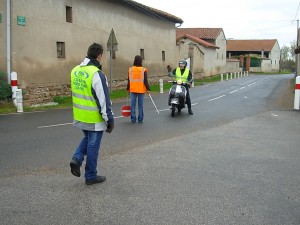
(55, 125)
(216, 98)
(233, 91)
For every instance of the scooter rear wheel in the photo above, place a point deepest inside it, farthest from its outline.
(173, 109)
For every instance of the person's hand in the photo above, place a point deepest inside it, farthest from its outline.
(189, 85)
(169, 68)
(110, 128)
(148, 92)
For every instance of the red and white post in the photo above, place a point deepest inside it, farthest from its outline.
(17, 96)
(297, 93)
(14, 86)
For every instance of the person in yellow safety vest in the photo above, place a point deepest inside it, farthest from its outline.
(185, 75)
(92, 112)
(137, 86)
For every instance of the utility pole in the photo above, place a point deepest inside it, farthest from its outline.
(297, 44)
(8, 50)
(112, 46)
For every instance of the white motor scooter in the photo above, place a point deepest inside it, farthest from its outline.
(177, 96)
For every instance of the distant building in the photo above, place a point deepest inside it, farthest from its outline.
(49, 38)
(210, 46)
(264, 54)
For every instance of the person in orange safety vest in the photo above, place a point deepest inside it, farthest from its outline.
(137, 86)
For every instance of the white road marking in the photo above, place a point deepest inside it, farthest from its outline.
(216, 98)
(55, 125)
(233, 91)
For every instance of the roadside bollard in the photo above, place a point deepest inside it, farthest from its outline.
(226, 76)
(247, 74)
(230, 76)
(19, 99)
(221, 77)
(14, 86)
(297, 93)
(161, 85)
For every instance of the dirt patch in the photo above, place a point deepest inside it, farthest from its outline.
(286, 98)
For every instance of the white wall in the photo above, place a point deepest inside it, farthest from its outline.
(34, 54)
(275, 58)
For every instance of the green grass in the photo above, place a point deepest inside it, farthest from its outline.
(273, 73)
(7, 106)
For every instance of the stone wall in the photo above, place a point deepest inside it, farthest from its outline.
(41, 94)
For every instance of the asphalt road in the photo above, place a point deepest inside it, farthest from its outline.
(235, 161)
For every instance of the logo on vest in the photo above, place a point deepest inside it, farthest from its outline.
(79, 80)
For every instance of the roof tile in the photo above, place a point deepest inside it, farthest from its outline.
(202, 33)
(251, 45)
(197, 40)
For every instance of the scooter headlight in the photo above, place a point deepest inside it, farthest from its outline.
(179, 82)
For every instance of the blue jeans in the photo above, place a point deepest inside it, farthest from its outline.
(140, 97)
(89, 147)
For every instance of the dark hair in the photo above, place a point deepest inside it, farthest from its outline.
(138, 60)
(94, 51)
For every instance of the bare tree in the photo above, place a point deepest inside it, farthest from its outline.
(285, 50)
(292, 49)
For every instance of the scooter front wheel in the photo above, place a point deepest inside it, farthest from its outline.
(173, 109)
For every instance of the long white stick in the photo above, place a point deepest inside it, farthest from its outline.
(153, 103)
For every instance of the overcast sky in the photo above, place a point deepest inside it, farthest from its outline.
(246, 19)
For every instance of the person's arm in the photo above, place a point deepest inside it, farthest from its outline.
(101, 94)
(128, 83)
(170, 72)
(190, 79)
(146, 81)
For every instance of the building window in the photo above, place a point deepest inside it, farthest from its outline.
(69, 16)
(60, 48)
(142, 53)
(163, 55)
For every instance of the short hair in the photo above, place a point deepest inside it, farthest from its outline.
(94, 51)
(138, 60)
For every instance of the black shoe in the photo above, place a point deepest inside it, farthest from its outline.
(75, 167)
(190, 112)
(98, 179)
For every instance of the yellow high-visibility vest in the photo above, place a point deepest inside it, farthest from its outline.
(85, 108)
(184, 76)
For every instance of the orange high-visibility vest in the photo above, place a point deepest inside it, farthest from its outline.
(136, 79)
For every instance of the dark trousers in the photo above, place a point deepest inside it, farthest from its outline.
(188, 99)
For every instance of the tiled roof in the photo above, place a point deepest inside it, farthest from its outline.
(197, 40)
(251, 45)
(153, 12)
(202, 33)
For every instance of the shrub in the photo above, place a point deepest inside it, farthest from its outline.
(62, 99)
(5, 89)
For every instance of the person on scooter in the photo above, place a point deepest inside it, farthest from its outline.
(185, 75)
